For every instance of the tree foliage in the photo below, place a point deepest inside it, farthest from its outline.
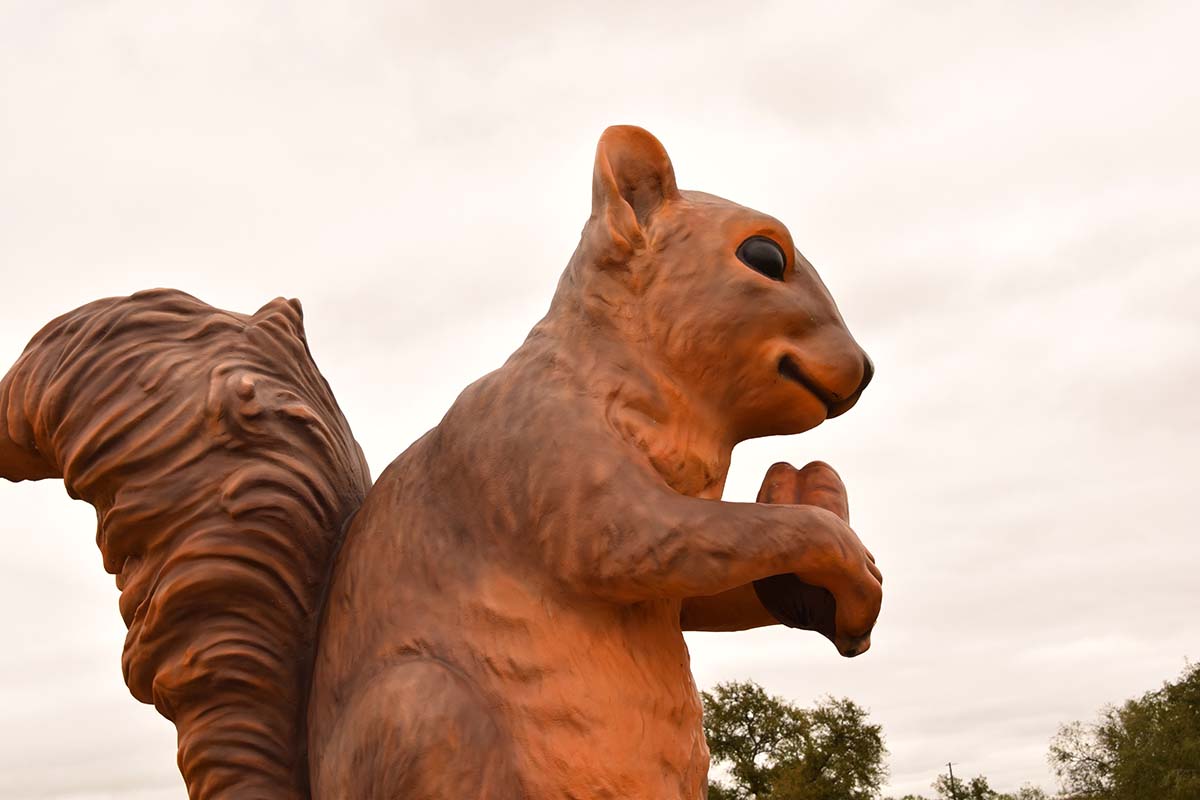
(773, 750)
(978, 788)
(1149, 747)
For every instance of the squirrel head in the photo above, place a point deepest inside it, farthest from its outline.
(713, 298)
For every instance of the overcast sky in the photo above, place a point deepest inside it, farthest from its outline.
(1003, 198)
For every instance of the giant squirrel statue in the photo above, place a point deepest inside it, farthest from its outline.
(501, 614)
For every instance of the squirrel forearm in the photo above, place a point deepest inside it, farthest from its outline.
(737, 609)
(672, 546)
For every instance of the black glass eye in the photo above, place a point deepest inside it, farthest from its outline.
(763, 255)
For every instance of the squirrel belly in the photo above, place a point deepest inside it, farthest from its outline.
(445, 579)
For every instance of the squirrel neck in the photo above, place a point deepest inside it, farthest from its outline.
(681, 435)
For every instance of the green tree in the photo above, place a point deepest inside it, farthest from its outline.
(773, 750)
(1027, 792)
(745, 728)
(978, 788)
(1149, 747)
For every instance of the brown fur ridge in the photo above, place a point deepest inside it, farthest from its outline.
(223, 473)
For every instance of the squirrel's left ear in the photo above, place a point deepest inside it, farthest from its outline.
(633, 177)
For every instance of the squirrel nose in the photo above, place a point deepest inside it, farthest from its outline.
(837, 409)
(868, 373)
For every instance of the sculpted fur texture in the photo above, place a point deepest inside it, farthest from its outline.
(222, 472)
(505, 615)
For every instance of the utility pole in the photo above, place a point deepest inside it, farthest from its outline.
(953, 785)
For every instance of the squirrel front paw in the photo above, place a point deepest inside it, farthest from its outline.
(842, 608)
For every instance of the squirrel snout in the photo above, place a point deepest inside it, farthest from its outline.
(848, 401)
(868, 373)
(837, 379)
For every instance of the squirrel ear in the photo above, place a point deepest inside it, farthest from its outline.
(633, 176)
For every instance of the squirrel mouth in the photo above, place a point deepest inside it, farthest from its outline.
(834, 405)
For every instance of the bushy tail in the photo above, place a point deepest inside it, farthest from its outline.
(223, 474)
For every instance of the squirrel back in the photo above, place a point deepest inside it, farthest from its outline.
(223, 475)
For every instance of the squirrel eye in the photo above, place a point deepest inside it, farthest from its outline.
(764, 256)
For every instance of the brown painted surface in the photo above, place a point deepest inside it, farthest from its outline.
(222, 473)
(505, 616)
